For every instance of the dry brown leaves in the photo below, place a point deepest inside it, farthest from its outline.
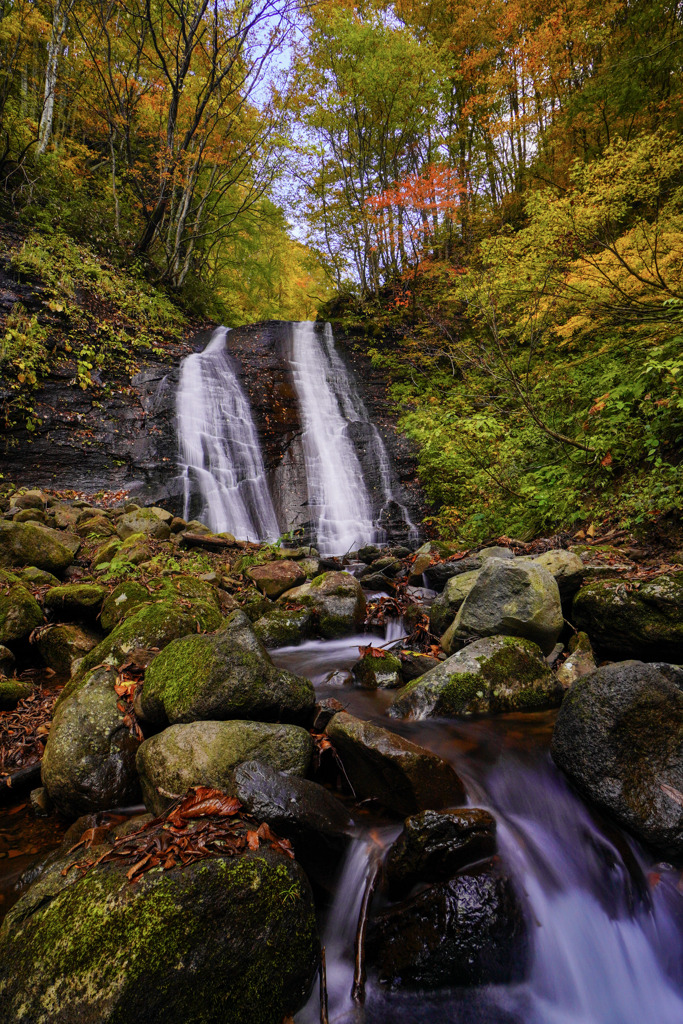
(24, 731)
(205, 823)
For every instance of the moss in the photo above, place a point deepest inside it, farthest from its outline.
(280, 627)
(76, 597)
(12, 691)
(20, 613)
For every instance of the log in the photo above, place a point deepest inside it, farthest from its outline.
(17, 782)
(200, 540)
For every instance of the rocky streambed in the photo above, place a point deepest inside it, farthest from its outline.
(229, 757)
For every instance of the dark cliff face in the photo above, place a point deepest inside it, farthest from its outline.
(127, 441)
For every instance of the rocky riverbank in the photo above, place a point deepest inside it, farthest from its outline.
(161, 634)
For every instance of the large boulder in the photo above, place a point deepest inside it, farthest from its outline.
(632, 618)
(467, 931)
(32, 544)
(89, 760)
(82, 600)
(223, 938)
(619, 738)
(277, 577)
(131, 594)
(434, 845)
(61, 646)
(143, 520)
(566, 568)
(20, 613)
(226, 674)
(512, 598)
(206, 754)
(491, 676)
(337, 600)
(448, 603)
(378, 764)
(438, 574)
(280, 627)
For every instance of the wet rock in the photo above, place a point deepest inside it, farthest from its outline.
(61, 646)
(83, 600)
(440, 573)
(633, 618)
(277, 577)
(317, 824)
(280, 627)
(386, 566)
(131, 595)
(32, 544)
(491, 676)
(418, 568)
(20, 613)
(468, 931)
(12, 691)
(254, 604)
(434, 845)
(618, 737)
(403, 776)
(207, 753)
(378, 671)
(579, 663)
(369, 552)
(223, 938)
(448, 603)
(89, 760)
(41, 805)
(336, 599)
(512, 599)
(325, 710)
(143, 520)
(222, 675)
(414, 664)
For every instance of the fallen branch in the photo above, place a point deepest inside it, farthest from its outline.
(360, 974)
(324, 1018)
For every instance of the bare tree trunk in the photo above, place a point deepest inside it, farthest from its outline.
(60, 20)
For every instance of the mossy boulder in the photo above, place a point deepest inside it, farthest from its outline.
(280, 627)
(151, 626)
(32, 544)
(12, 691)
(89, 760)
(61, 646)
(254, 604)
(207, 753)
(134, 549)
(20, 613)
(434, 845)
(619, 737)
(223, 675)
(447, 605)
(511, 598)
(438, 574)
(633, 618)
(491, 676)
(337, 600)
(95, 527)
(82, 600)
(106, 552)
(276, 577)
(379, 764)
(566, 568)
(7, 660)
(377, 670)
(143, 520)
(37, 577)
(222, 939)
(131, 595)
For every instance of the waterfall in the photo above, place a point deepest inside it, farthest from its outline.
(339, 501)
(220, 453)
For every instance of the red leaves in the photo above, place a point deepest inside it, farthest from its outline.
(24, 731)
(202, 802)
(373, 652)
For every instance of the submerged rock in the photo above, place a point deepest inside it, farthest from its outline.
(221, 675)
(512, 598)
(337, 600)
(467, 931)
(32, 544)
(436, 844)
(618, 737)
(403, 776)
(633, 618)
(221, 939)
(89, 760)
(491, 676)
(206, 754)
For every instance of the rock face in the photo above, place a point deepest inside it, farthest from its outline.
(436, 844)
(89, 760)
(468, 931)
(223, 938)
(336, 599)
(512, 599)
(619, 737)
(402, 776)
(32, 544)
(227, 674)
(20, 613)
(490, 676)
(206, 754)
(641, 619)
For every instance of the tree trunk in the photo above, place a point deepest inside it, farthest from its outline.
(60, 19)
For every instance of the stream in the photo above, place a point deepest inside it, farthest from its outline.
(605, 920)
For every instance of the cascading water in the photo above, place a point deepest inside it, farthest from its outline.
(338, 495)
(220, 453)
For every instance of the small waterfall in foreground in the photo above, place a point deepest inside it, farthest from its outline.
(338, 497)
(220, 452)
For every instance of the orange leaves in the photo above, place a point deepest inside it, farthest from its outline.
(203, 801)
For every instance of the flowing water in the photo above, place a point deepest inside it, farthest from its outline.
(220, 452)
(605, 921)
